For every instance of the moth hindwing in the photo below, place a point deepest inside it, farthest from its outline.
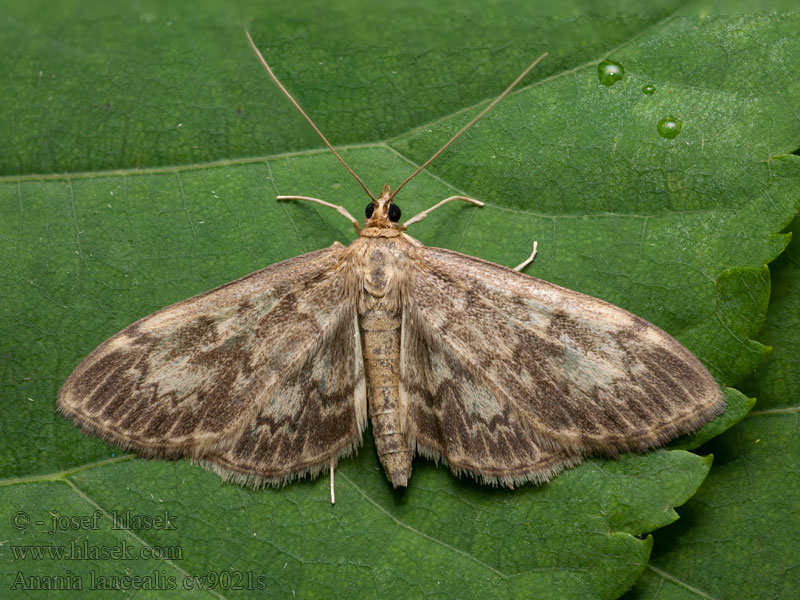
(500, 375)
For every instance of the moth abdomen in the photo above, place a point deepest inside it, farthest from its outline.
(381, 339)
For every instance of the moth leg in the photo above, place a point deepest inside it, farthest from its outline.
(414, 241)
(333, 494)
(528, 260)
(418, 217)
(340, 209)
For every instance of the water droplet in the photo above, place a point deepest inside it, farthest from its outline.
(649, 89)
(610, 72)
(669, 127)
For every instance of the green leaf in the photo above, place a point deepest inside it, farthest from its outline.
(738, 538)
(154, 84)
(676, 230)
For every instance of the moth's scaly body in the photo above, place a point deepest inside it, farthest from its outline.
(380, 330)
(380, 252)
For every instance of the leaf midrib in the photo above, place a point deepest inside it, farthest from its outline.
(386, 143)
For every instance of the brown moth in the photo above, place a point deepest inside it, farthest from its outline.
(502, 376)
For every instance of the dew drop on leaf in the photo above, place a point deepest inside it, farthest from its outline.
(669, 127)
(610, 72)
(649, 89)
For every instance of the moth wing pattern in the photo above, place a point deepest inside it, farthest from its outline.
(260, 379)
(511, 378)
(326, 397)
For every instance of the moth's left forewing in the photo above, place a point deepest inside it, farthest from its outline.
(261, 378)
(580, 375)
(311, 420)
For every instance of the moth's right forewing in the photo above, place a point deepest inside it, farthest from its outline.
(577, 374)
(191, 377)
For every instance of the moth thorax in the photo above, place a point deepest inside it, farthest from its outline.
(380, 270)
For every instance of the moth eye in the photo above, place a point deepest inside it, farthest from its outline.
(394, 213)
(369, 210)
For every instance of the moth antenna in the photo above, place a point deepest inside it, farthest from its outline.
(472, 122)
(302, 112)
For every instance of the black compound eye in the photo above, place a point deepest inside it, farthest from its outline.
(369, 210)
(394, 213)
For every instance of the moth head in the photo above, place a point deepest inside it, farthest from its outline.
(382, 212)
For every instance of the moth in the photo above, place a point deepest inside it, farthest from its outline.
(499, 375)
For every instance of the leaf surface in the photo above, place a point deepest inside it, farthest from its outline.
(676, 230)
(737, 537)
